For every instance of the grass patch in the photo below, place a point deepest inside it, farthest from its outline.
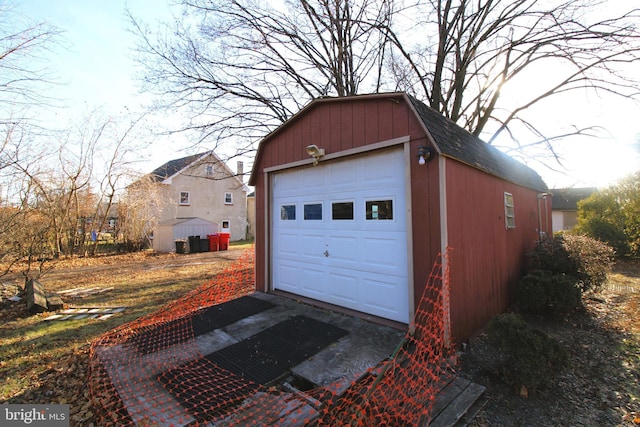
(36, 352)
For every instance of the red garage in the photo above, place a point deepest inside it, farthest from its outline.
(356, 197)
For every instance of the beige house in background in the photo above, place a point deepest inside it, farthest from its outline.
(201, 187)
(564, 205)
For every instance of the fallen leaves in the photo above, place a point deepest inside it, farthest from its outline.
(601, 385)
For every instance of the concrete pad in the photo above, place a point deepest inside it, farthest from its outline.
(365, 345)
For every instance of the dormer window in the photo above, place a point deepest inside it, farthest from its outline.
(185, 198)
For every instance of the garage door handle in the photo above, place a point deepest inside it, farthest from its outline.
(326, 253)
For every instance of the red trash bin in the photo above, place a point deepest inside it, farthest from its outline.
(224, 241)
(214, 242)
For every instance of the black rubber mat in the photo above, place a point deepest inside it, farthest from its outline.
(161, 336)
(225, 314)
(267, 356)
(204, 389)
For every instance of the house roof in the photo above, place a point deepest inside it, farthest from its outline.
(566, 199)
(172, 167)
(450, 140)
(457, 143)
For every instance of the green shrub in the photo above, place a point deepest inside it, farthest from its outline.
(550, 254)
(595, 260)
(603, 230)
(587, 260)
(528, 357)
(545, 292)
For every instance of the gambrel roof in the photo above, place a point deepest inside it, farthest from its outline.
(449, 139)
(455, 142)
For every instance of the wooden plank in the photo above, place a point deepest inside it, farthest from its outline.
(447, 395)
(459, 406)
(54, 302)
(36, 297)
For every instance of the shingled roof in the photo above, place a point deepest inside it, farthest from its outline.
(457, 143)
(566, 199)
(172, 167)
(452, 141)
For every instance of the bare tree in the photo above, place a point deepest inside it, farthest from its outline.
(243, 68)
(23, 74)
(481, 47)
(23, 82)
(117, 156)
(138, 211)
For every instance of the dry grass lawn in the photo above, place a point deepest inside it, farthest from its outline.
(46, 361)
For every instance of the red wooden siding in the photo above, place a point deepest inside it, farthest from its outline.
(340, 125)
(487, 259)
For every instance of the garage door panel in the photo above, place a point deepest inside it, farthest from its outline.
(301, 279)
(343, 249)
(343, 176)
(312, 246)
(312, 178)
(384, 254)
(313, 282)
(359, 262)
(342, 289)
(390, 296)
(288, 276)
(380, 172)
(287, 244)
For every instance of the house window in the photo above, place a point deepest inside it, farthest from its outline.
(379, 210)
(288, 212)
(184, 198)
(228, 198)
(209, 170)
(226, 225)
(509, 211)
(313, 211)
(342, 210)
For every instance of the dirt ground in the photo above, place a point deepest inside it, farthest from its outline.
(600, 387)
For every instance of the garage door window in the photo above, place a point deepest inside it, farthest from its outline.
(342, 210)
(313, 211)
(379, 210)
(288, 212)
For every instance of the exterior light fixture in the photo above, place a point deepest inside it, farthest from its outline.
(424, 154)
(315, 152)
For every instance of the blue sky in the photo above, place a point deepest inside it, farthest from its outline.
(95, 62)
(94, 59)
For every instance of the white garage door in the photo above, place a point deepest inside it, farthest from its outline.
(339, 234)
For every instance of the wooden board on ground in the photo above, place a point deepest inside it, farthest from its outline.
(454, 402)
(80, 313)
(54, 302)
(36, 297)
(83, 292)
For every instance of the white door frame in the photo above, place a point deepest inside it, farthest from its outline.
(268, 218)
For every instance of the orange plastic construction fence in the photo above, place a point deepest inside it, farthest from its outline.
(152, 372)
